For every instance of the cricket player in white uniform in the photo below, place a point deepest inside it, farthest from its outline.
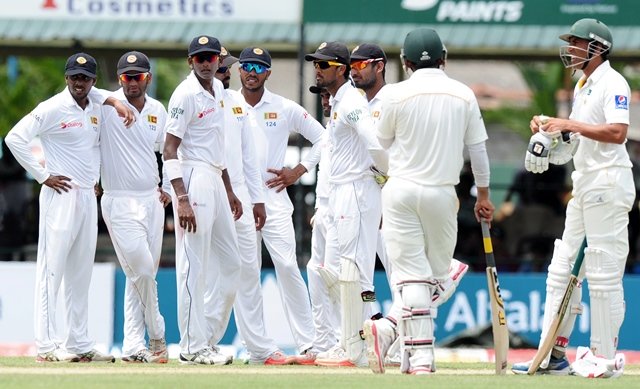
(603, 192)
(194, 160)
(246, 180)
(368, 67)
(133, 205)
(325, 295)
(354, 199)
(425, 122)
(276, 118)
(68, 125)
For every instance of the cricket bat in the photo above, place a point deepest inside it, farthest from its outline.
(547, 343)
(498, 318)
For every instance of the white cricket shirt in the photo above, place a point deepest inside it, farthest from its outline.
(604, 98)
(69, 137)
(128, 154)
(242, 164)
(197, 117)
(352, 137)
(431, 117)
(277, 117)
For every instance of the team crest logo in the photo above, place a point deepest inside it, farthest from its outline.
(203, 40)
(132, 58)
(94, 120)
(355, 49)
(81, 60)
(237, 110)
(152, 119)
(376, 114)
(622, 102)
(270, 115)
(322, 45)
(335, 115)
(425, 56)
(223, 52)
(258, 51)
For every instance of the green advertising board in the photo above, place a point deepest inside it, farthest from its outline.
(509, 12)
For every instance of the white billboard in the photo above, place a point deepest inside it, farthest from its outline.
(84, 11)
(17, 284)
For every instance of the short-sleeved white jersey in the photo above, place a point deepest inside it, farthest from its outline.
(197, 117)
(277, 117)
(242, 163)
(604, 98)
(431, 117)
(128, 154)
(375, 106)
(352, 136)
(69, 137)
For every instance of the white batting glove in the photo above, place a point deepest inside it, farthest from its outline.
(564, 150)
(537, 157)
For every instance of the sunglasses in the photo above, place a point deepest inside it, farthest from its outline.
(359, 65)
(222, 69)
(326, 64)
(248, 67)
(205, 57)
(133, 77)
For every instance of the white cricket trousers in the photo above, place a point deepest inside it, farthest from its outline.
(68, 232)
(135, 222)
(279, 238)
(248, 307)
(420, 229)
(326, 312)
(214, 240)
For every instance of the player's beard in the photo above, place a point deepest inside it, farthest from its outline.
(365, 83)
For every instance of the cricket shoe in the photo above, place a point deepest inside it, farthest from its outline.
(158, 348)
(307, 358)
(379, 335)
(557, 366)
(445, 289)
(206, 356)
(393, 358)
(93, 356)
(337, 357)
(142, 356)
(55, 355)
(276, 358)
(421, 370)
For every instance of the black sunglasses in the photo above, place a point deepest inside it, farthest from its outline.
(222, 69)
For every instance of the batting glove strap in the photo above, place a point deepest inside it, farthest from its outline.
(537, 156)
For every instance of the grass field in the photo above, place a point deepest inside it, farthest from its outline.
(23, 373)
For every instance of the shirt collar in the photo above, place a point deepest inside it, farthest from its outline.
(341, 91)
(72, 102)
(597, 74)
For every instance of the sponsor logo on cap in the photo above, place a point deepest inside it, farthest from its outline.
(203, 40)
(81, 60)
(132, 58)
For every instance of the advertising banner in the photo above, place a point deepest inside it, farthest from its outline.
(281, 11)
(17, 284)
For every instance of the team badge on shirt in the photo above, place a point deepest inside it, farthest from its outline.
(622, 102)
(94, 120)
(237, 110)
(376, 114)
(152, 119)
(270, 115)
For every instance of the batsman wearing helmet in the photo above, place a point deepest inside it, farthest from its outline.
(425, 122)
(603, 192)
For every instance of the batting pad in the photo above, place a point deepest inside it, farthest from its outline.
(557, 281)
(331, 281)
(607, 301)
(416, 327)
(351, 309)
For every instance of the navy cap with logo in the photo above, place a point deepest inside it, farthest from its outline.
(204, 44)
(368, 51)
(330, 51)
(226, 59)
(256, 55)
(81, 63)
(133, 61)
(316, 90)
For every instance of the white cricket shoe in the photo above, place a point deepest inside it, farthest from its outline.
(445, 289)
(379, 335)
(142, 356)
(206, 356)
(93, 356)
(337, 357)
(158, 348)
(55, 355)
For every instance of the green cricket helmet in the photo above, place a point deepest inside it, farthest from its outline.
(591, 30)
(423, 47)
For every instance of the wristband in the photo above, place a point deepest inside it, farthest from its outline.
(173, 169)
(183, 196)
